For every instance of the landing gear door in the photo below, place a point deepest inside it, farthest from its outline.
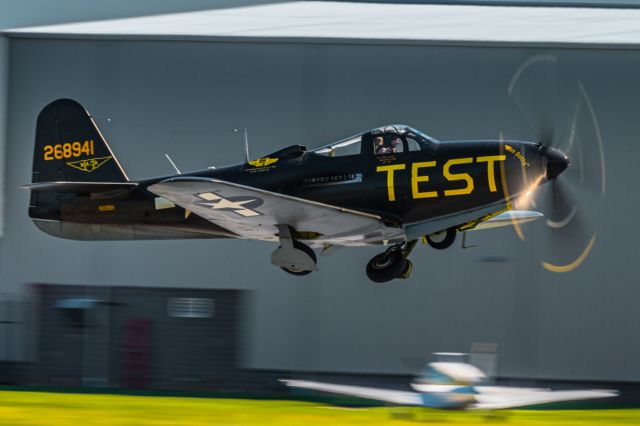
(388, 169)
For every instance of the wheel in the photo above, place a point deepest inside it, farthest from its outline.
(441, 240)
(386, 266)
(305, 248)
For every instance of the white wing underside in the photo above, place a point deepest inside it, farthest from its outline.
(384, 395)
(254, 213)
(504, 398)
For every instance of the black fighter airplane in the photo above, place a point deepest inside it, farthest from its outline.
(390, 186)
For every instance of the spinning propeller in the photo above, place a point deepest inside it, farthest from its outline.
(571, 198)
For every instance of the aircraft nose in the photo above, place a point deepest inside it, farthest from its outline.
(557, 161)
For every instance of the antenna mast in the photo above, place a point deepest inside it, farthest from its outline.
(172, 163)
(246, 142)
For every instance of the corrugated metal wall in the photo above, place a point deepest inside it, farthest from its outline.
(4, 95)
(184, 98)
(137, 337)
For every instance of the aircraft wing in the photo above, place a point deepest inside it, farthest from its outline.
(509, 218)
(255, 213)
(384, 395)
(520, 398)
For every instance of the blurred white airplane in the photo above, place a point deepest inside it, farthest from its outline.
(455, 385)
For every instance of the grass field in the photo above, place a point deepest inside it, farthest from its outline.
(42, 408)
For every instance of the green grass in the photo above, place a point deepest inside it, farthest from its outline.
(44, 408)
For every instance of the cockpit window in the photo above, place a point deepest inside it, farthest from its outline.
(421, 137)
(418, 141)
(342, 148)
(417, 144)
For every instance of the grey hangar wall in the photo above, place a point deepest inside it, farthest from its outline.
(184, 97)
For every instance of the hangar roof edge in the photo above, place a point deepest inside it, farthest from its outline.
(333, 41)
(329, 22)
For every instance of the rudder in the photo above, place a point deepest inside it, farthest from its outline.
(70, 148)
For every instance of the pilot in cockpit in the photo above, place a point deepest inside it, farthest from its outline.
(394, 145)
(391, 147)
(378, 145)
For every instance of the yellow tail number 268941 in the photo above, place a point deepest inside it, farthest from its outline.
(68, 150)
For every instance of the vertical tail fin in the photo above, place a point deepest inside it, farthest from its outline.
(69, 147)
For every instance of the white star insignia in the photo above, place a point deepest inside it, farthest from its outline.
(219, 203)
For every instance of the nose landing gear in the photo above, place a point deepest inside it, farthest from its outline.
(391, 264)
(443, 239)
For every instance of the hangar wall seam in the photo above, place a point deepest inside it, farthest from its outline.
(4, 102)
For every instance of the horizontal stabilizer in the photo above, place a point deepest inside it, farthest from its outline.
(80, 187)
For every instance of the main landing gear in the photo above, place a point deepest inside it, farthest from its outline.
(391, 264)
(297, 258)
(293, 256)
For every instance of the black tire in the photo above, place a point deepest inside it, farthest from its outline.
(305, 248)
(292, 272)
(386, 266)
(444, 243)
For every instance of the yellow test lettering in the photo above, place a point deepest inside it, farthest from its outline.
(390, 170)
(458, 176)
(416, 179)
(490, 160)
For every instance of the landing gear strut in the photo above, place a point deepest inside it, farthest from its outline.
(391, 264)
